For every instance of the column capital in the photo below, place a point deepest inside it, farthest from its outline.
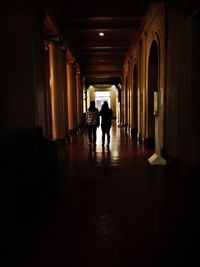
(145, 35)
(78, 72)
(70, 61)
(69, 57)
(51, 42)
(46, 45)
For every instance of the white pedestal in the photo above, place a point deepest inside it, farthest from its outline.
(157, 160)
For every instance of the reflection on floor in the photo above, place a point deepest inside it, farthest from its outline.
(110, 208)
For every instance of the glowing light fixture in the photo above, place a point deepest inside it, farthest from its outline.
(101, 34)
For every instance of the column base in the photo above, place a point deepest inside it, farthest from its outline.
(157, 160)
(140, 138)
(150, 142)
(134, 132)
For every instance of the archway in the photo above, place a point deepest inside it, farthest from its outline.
(152, 86)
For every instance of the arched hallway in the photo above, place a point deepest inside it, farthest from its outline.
(109, 207)
(63, 203)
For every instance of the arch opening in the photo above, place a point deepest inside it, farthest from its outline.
(135, 101)
(152, 86)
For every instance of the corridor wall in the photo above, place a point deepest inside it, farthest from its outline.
(22, 94)
(175, 29)
(153, 30)
(182, 81)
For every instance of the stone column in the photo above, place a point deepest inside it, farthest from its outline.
(126, 101)
(79, 95)
(122, 112)
(71, 94)
(130, 95)
(57, 91)
(47, 92)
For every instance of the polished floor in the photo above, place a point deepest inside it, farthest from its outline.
(109, 208)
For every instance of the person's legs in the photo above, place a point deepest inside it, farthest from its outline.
(103, 137)
(107, 131)
(94, 133)
(90, 133)
(103, 134)
(108, 136)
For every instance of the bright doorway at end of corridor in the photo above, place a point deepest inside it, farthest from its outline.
(101, 93)
(100, 97)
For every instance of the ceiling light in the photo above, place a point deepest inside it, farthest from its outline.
(101, 34)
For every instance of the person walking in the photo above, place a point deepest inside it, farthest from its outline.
(92, 122)
(106, 121)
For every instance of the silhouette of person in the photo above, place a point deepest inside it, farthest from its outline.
(106, 121)
(92, 121)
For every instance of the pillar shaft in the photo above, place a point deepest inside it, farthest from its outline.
(56, 64)
(79, 97)
(71, 96)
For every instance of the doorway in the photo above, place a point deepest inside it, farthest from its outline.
(100, 97)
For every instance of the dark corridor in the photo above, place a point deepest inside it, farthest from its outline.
(109, 208)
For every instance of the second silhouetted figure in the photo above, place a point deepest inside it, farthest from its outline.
(106, 121)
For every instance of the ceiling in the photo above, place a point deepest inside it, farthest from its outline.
(100, 58)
